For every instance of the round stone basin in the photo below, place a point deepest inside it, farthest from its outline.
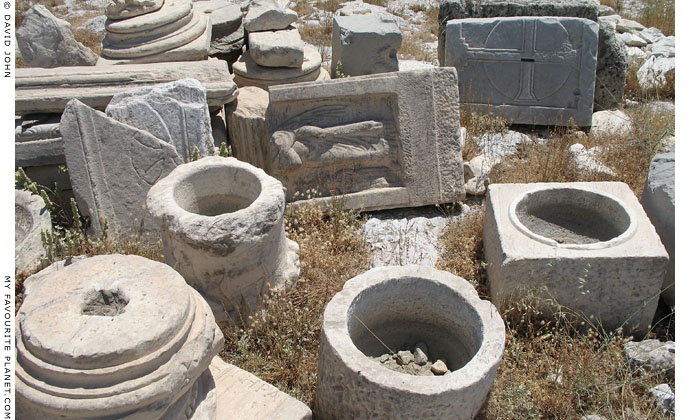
(217, 190)
(572, 218)
(398, 306)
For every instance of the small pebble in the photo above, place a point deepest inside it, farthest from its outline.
(439, 368)
(420, 353)
(405, 357)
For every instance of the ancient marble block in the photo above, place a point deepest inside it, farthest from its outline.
(174, 112)
(114, 337)
(111, 167)
(46, 41)
(121, 9)
(227, 31)
(242, 396)
(586, 248)
(529, 70)
(365, 44)
(421, 304)
(221, 222)
(659, 201)
(248, 73)
(31, 217)
(49, 90)
(282, 48)
(382, 141)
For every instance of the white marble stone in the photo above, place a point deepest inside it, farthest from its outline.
(31, 217)
(283, 48)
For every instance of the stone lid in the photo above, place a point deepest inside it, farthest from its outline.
(246, 67)
(110, 334)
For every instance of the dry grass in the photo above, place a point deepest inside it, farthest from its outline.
(319, 35)
(464, 256)
(412, 49)
(281, 344)
(476, 125)
(659, 14)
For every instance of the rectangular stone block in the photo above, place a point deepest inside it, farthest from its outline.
(365, 44)
(49, 90)
(383, 141)
(587, 246)
(530, 70)
(242, 396)
(463, 9)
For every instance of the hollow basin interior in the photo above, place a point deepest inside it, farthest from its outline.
(23, 222)
(572, 216)
(404, 311)
(217, 190)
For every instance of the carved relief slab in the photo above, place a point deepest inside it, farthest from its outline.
(383, 141)
(530, 70)
(111, 167)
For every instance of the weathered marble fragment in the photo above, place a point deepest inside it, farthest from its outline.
(46, 41)
(529, 70)
(111, 167)
(659, 201)
(31, 217)
(382, 141)
(247, 127)
(49, 90)
(174, 112)
(268, 15)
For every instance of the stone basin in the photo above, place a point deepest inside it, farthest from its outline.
(398, 306)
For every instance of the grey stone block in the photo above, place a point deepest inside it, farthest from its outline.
(46, 41)
(37, 140)
(365, 44)
(383, 141)
(421, 304)
(174, 112)
(586, 248)
(268, 15)
(611, 64)
(249, 73)
(111, 168)
(530, 70)
(659, 201)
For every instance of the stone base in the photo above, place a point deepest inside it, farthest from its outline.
(242, 396)
(248, 73)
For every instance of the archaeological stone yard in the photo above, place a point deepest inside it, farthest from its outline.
(402, 209)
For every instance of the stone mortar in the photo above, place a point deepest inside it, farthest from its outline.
(222, 229)
(401, 305)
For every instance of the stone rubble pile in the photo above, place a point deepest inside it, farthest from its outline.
(155, 31)
(414, 362)
(275, 53)
(655, 51)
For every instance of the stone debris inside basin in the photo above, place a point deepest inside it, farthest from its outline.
(413, 361)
